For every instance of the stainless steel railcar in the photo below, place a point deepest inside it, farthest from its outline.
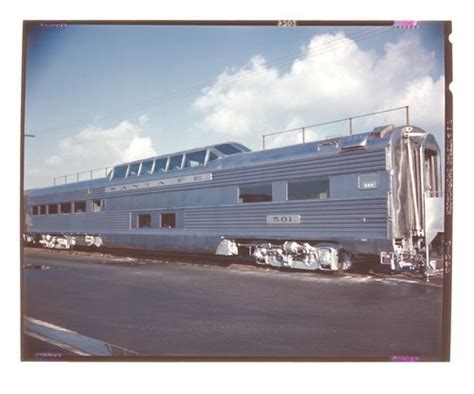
(312, 206)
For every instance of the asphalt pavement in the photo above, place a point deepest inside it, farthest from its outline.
(169, 309)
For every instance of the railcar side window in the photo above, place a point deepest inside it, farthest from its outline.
(212, 156)
(307, 189)
(79, 206)
(42, 210)
(368, 181)
(195, 159)
(144, 221)
(65, 207)
(160, 165)
(97, 205)
(35, 210)
(133, 171)
(120, 172)
(255, 193)
(168, 220)
(430, 168)
(175, 162)
(227, 149)
(146, 167)
(52, 209)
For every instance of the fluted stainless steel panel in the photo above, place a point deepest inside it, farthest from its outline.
(353, 162)
(81, 222)
(364, 215)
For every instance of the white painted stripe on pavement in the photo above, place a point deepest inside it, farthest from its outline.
(71, 340)
(56, 343)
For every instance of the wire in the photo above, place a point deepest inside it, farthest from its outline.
(241, 76)
(197, 89)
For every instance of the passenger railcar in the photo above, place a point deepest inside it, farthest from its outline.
(314, 205)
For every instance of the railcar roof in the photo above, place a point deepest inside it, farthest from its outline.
(378, 137)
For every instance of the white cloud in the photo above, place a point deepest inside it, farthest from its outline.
(95, 147)
(327, 82)
(143, 119)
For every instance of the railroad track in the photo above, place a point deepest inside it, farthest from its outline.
(127, 257)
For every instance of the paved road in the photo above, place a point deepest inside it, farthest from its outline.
(174, 309)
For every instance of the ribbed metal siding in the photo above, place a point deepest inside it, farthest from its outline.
(81, 222)
(350, 162)
(53, 198)
(346, 163)
(338, 216)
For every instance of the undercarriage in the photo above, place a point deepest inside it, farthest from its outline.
(291, 254)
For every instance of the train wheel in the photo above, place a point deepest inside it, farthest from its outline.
(344, 263)
(340, 269)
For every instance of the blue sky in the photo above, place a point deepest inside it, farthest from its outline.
(88, 84)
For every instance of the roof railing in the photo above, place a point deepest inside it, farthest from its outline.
(103, 172)
(349, 119)
(82, 176)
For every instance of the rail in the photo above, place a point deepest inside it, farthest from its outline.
(350, 119)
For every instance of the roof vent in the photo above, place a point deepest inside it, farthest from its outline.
(381, 131)
(328, 144)
(354, 142)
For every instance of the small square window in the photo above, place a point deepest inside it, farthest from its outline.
(160, 165)
(120, 172)
(97, 205)
(79, 206)
(168, 220)
(175, 162)
(144, 221)
(52, 209)
(195, 159)
(133, 170)
(35, 210)
(65, 207)
(212, 157)
(42, 209)
(146, 167)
